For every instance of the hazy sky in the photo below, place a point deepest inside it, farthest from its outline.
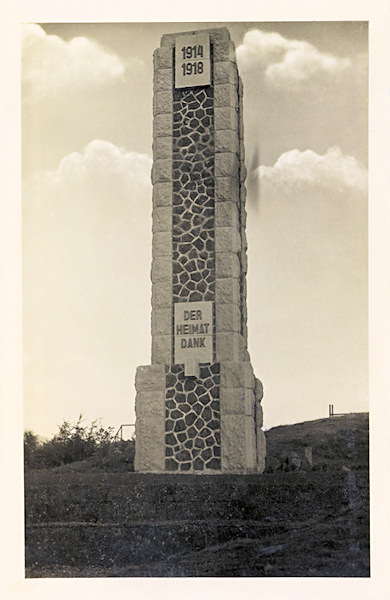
(87, 135)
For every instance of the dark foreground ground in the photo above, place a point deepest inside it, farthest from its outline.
(102, 524)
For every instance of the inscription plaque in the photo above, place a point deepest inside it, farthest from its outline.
(193, 331)
(192, 60)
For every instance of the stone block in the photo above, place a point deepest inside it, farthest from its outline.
(243, 173)
(226, 214)
(162, 170)
(162, 103)
(233, 443)
(227, 318)
(243, 217)
(238, 443)
(237, 401)
(225, 117)
(162, 219)
(243, 193)
(162, 243)
(225, 72)
(162, 349)
(240, 87)
(244, 262)
(244, 241)
(226, 189)
(150, 404)
(261, 444)
(225, 94)
(226, 140)
(242, 153)
(163, 80)
(161, 269)
(227, 265)
(162, 147)
(162, 193)
(250, 443)
(227, 291)
(149, 444)
(224, 51)
(259, 391)
(162, 125)
(227, 346)
(259, 414)
(227, 239)
(237, 374)
(163, 58)
(226, 164)
(161, 321)
(162, 294)
(150, 378)
(241, 126)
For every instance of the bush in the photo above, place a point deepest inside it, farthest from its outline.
(73, 442)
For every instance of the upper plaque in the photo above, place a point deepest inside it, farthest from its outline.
(192, 60)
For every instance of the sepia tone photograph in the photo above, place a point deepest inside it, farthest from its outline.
(195, 286)
(195, 316)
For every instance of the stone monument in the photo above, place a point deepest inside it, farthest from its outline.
(198, 403)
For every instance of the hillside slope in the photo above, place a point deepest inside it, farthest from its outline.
(296, 524)
(336, 442)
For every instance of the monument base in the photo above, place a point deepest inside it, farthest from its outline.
(207, 424)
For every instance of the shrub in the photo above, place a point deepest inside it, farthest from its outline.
(73, 442)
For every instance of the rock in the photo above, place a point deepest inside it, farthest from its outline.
(293, 461)
(293, 464)
(345, 469)
(308, 454)
(272, 463)
(307, 459)
(283, 456)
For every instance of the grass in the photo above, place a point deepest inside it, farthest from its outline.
(84, 521)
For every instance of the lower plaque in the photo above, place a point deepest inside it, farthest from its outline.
(193, 332)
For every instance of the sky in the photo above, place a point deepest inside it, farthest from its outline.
(86, 215)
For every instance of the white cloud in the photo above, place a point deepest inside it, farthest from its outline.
(50, 64)
(332, 170)
(285, 61)
(86, 286)
(103, 167)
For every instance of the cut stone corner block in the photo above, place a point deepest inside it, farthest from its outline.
(238, 444)
(237, 374)
(150, 378)
(149, 445)
(261, 449)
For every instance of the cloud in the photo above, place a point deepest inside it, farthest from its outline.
(332, 170)
(86, 285)
(286, 61)
(102, 167)
(50, 64)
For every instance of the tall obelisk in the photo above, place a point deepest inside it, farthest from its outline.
(198, 403)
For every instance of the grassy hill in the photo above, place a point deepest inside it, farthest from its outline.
(82, 521)
(336, 442)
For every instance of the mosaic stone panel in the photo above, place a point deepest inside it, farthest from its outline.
(193, 195)
(193, 424)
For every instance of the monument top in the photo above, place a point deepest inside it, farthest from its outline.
(220, 34)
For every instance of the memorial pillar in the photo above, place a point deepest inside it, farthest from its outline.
(198, 403)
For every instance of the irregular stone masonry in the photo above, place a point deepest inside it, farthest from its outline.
(193, 195)
(199, 423)
(193, 423)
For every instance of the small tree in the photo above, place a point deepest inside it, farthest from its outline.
(73, 442)
(31, 444)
